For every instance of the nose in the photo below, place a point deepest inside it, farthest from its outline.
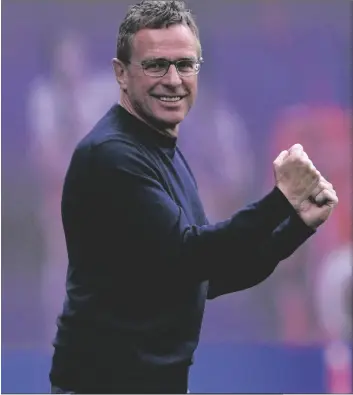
(172, 78)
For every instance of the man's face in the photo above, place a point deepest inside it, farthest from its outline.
(149, 95)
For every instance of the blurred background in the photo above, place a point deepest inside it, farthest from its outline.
(276, 72)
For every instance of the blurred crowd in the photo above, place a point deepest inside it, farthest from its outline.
(63, 105)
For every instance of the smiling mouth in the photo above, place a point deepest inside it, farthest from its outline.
(169, 98)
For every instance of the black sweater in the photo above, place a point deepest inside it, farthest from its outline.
(143, 258)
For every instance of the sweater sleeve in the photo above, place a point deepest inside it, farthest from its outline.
(247, 246)
(258, 264)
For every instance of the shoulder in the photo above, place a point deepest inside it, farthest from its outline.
(121, 152)
(110, 148)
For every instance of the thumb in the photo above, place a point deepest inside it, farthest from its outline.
(280, 158)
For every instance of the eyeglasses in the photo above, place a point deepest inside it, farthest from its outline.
(160, 67)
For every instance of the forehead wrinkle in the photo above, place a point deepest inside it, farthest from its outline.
(169, 59)
(149, 43)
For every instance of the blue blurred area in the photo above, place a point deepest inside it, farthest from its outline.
(218, 369)
(275, 73)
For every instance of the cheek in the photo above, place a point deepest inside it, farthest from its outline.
(192, 87)
(140, 88)
(137, 93)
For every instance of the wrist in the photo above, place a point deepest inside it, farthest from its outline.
(310, 224)
(294, 201)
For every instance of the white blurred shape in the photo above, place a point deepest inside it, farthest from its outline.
(333, 296)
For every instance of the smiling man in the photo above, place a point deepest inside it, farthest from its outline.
(158, 77)
(143, 258)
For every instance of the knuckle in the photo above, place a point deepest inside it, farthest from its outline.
(298, 160)
(316, 178)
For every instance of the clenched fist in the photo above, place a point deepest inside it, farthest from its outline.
(316, 210)
(310, 194)
(295, 175)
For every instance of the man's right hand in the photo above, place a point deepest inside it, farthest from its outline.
(295, 175)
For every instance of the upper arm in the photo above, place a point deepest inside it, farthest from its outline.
(142, 223)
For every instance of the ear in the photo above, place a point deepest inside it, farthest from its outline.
(120, 73)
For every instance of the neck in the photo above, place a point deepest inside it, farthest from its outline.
(171, 132)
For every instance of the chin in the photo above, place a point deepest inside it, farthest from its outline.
(173, 121)
(173, 117)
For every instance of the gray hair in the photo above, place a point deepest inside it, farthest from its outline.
(152, 14)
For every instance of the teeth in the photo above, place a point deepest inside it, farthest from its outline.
(175, 98)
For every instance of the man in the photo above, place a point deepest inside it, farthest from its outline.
(142, 256)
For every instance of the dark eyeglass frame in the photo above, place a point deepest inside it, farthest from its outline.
(168, 63)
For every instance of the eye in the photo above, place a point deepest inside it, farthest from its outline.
(155, 65)
(187, 65)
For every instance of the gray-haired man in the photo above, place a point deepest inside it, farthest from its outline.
(143, 258)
